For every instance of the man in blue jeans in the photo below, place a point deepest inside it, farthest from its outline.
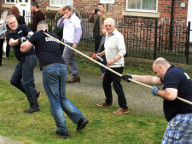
(54, 79)
(23, 77)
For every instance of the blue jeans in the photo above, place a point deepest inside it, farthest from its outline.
(23, 79)
(54, 81)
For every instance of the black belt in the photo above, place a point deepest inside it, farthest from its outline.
(51, 64)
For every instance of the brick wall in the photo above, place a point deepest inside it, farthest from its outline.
(164, 8)
(180, 14)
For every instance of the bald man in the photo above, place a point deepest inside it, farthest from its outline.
(175, 83)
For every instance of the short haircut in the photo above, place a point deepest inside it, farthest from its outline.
(100, 4)
(109, 19)
(33, 3)
(43, 25)
(161, 61)
(67, 8)
(10, 16)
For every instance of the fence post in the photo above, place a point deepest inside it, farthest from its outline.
(187, 43)
(155, 41)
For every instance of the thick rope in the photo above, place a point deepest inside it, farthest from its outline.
(132, 80)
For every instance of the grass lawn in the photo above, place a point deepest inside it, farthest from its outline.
(104, 127)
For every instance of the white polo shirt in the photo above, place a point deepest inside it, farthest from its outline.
(69, 28)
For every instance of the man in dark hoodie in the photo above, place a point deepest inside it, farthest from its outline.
(37, 15)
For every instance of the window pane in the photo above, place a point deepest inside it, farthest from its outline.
(134, 4)
(149, 4)
(61, 2)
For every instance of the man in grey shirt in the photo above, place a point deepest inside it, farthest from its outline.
(114, 53)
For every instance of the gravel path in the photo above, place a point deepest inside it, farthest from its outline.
(138, 97)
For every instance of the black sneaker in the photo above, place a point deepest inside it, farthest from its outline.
(30, 110)
(82, 123)
(65, 135)
(38, 94)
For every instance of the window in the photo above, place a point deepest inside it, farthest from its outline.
(10, 1)
(142, 5)
(59, 3)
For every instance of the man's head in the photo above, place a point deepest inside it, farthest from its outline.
(67, 10)
(12, 22)
(160, 67)
(34, 6)
(60, 10)
(42, 25)
(101, 8)
(109, 24)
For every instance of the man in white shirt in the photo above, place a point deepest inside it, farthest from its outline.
(71, 35)
(114, 52)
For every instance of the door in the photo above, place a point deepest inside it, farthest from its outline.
(24, 7)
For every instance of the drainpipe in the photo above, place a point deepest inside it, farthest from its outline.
(171, 26)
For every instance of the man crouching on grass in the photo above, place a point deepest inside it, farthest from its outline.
(54, 79)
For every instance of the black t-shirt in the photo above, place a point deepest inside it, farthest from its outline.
(47, 49)
(176, 78)
(22, 31)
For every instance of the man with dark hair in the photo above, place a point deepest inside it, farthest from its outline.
(23, 77)
(176, 83)
(97, 17)
(54, 79)
(71, 35)
(37, 15)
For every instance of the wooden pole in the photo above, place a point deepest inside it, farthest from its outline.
(91, 59)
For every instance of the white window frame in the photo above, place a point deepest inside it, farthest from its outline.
(6, 2)
(67, 2)
(142, 10)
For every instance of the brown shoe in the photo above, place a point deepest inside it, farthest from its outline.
(75, 79)
(121, 111)
(105, 105)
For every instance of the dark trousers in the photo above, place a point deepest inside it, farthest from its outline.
(1, 50)
(7, 50)
(23, 79)
(110, 77)
(97, 42)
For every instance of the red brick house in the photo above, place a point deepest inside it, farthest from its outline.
(172, 12)
(161, 9)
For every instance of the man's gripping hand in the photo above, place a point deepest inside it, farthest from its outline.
(22, 40)
(126, 77)
(154, 90)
